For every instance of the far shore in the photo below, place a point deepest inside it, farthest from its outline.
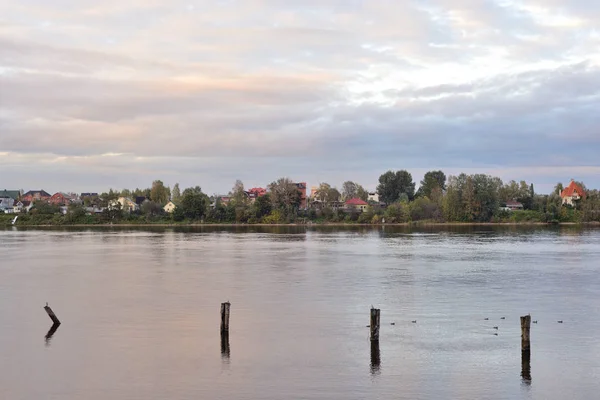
(314, 225)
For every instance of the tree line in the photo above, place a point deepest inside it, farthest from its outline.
(463, 198)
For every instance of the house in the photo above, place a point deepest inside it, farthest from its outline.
(356, 204)
(170, 207)
(60, 199)
(36, 195)
(255, 193)
(572, 193)
(14, 194)
(22, 206)
(512, 205)
(126, 203)
(6, 203)
(82, 195)
(94, 210)
(373, 197)
(302, 189)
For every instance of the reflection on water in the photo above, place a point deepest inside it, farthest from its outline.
(51, 332)
(302, 297)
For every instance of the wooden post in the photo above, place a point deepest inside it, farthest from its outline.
(51, 315)
(525, 348)
(525, 327)
(225, 317)
(375, 318)
(225, 349)
(375, 357)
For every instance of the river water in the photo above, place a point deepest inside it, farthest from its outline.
(140, 313)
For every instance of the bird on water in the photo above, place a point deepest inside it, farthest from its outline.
(486, 319)
(496, 327)
(535, 322)
(503, 318)
(414, 322)
(560, 322)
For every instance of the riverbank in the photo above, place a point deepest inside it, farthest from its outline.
(308, 225)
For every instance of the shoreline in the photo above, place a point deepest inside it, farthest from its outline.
(314, 225)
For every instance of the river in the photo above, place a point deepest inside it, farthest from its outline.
(140, 313)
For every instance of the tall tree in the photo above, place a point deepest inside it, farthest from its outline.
(432, 180)
(285, 195)
(194, 203)
(237, 194)
(176, 194)
(361, 193)
(159, 193)
(558, 188)
(327, 194)
(349, 190)
(393, 184)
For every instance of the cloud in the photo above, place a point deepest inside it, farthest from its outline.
(322, 91)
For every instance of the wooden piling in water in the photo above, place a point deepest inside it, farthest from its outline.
(51, 314)
(525, 347)
(525, 327)
(225, 317)
(375, 320)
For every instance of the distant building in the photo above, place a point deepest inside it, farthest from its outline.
(255, 193)
(36, 195)
(356, 204)
(6, 203)
(572, 193)
(302, 189)
(13, 194)
(126, 203)
(170, 207)
(61, 199)
(374, 197)
(512, 205)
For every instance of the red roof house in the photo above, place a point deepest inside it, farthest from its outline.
(572, 193)
(356, 204)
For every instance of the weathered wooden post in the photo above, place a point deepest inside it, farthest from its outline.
(375, 357)
(525, 347)
(51, 315)
(225, 317)
(375, 319)
(225, 349)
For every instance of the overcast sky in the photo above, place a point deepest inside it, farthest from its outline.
(117, 93)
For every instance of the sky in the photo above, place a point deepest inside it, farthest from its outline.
(118, 93)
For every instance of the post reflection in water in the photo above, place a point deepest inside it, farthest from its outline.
(375, 358)
(50, 333)
(225, 348)
(526, 366)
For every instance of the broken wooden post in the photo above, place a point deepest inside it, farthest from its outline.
(375, 318)
(525, 347)
(51, 315)
(225, 317)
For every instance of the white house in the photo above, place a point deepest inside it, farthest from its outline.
(169, 207)
(373, 196)
(126, 203)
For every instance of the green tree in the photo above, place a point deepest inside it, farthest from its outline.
(238, 195)
(393, 184)
(159, 193)
(262, 206)
(349, 190)
(176, 194)
(327, 194)
(362, 193)
(285, 196)
(194, 203)
(558, 188)
(431, 181)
